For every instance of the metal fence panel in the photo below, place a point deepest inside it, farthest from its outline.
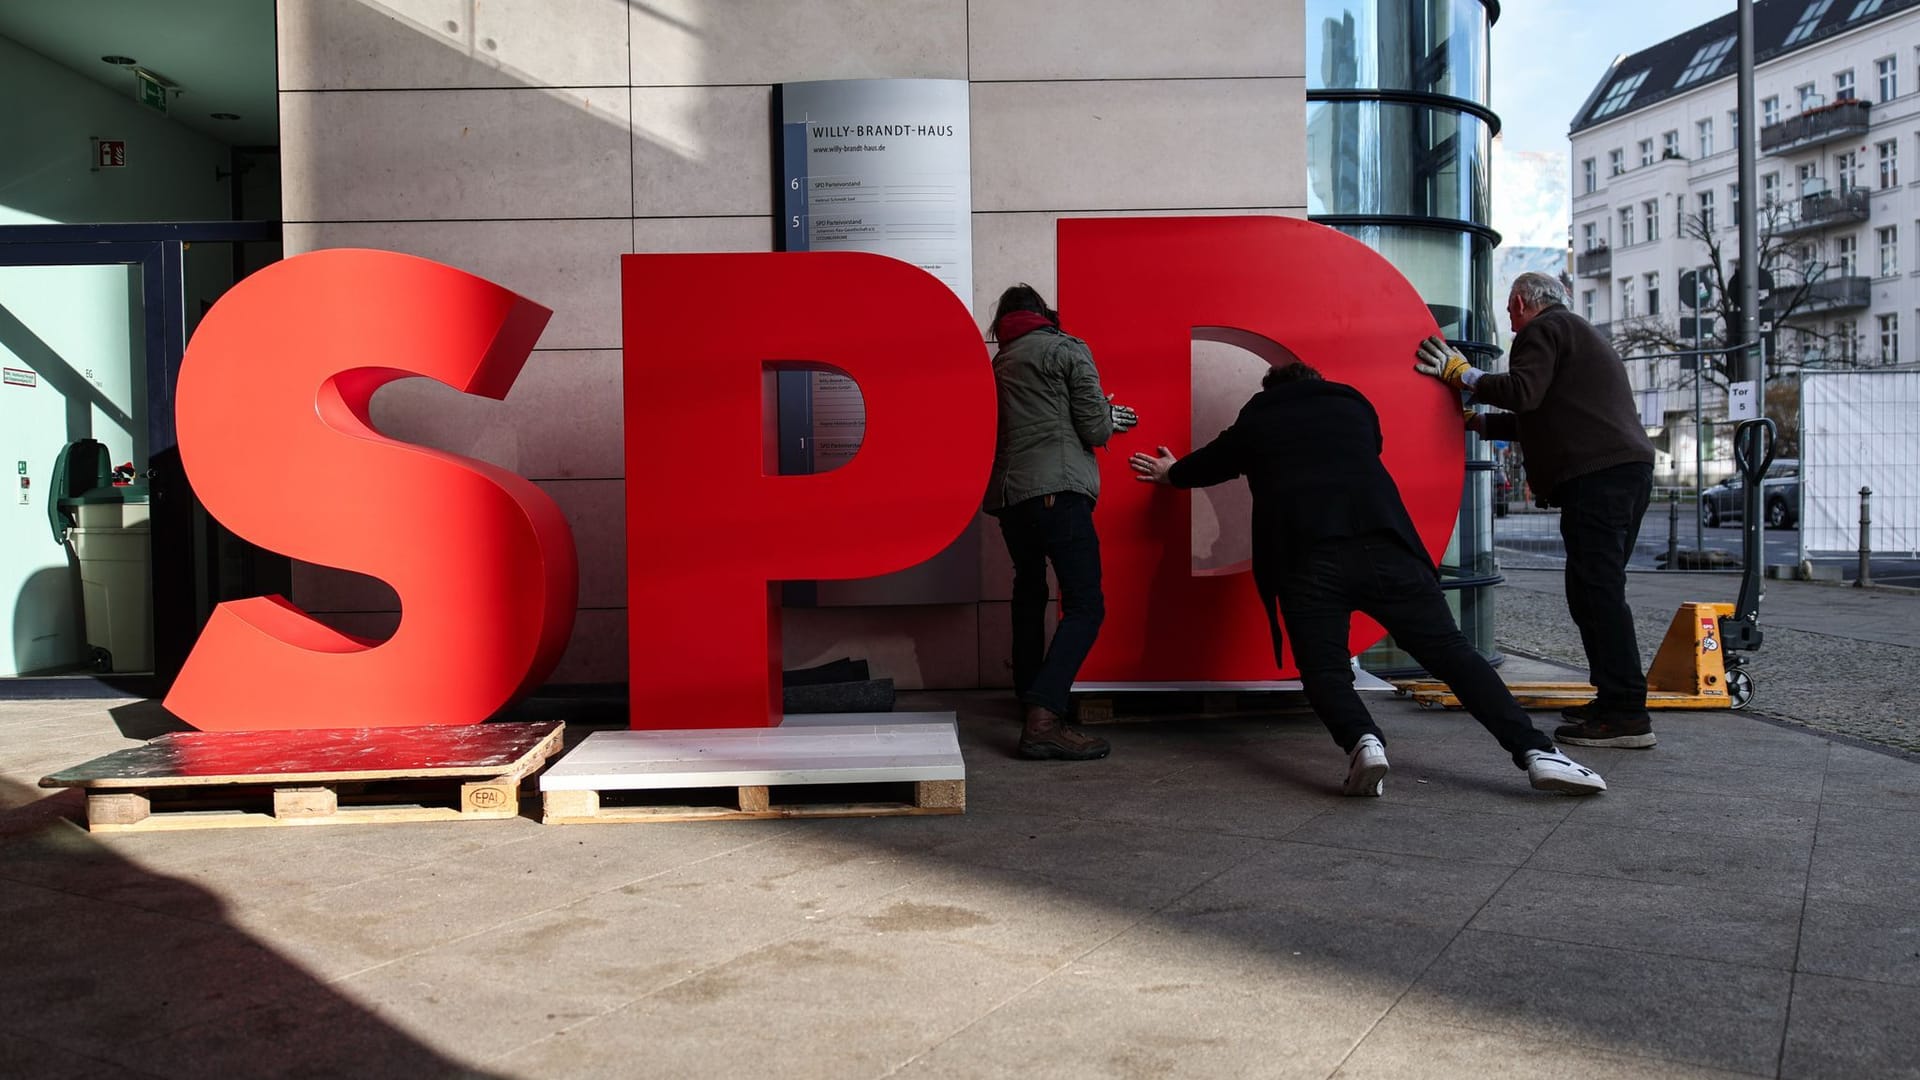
(1859, 429)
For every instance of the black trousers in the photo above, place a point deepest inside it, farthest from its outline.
(1377, 575)
(1599, 521)
(1055, 529)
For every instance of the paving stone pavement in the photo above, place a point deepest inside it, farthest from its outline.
(1835, 658)
(1744, 901)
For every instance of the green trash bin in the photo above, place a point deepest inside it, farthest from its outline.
(106, 525)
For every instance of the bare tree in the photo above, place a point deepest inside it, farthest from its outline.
(1782, 259)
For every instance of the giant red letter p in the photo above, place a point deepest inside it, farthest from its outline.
(709, 532)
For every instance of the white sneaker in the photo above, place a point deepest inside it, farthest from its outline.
(1366, 767)
(1551, 770)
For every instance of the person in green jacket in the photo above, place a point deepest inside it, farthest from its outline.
(1043, 487)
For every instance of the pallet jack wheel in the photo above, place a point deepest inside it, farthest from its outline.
(1739, 689)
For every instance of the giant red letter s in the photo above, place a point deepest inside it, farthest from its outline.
(1140, 290)
(281, 371)
(709, 533)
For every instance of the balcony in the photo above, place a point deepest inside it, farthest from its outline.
(1822, 211)
(1835, 294)
(1596, 262)
(1840, 120)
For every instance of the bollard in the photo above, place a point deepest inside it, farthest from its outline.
(1673, 531)
(1866, 547)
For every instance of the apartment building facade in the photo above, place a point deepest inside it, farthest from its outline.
(1656, 197)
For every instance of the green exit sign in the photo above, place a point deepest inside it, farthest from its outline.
(152, 93)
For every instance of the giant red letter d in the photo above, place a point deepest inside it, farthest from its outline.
(1140, 290)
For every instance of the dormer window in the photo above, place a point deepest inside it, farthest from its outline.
(1706, 61)
(1809, 21)
(1621, 93)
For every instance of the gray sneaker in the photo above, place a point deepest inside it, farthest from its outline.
(1366, 768)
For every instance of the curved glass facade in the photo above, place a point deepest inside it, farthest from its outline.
(1424, 46)
(1452, 268)
(1376, 157)
(1400, 143)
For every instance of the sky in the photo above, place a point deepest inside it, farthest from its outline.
(1547, 57)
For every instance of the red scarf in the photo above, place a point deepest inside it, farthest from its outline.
(1015, 324)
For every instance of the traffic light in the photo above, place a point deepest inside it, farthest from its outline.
(1695, 290)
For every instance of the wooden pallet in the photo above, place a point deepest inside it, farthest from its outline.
(754, 802)
(1107, 702)
(251, 779)
(832, 765)
(1689, 671)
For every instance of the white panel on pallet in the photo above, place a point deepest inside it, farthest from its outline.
(837, 749)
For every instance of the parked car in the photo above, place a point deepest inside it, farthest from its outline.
(1726, 502)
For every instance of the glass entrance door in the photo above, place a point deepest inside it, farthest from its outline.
(109, 566)
(76, 441)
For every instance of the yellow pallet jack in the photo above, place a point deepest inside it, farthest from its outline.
(1698, 664)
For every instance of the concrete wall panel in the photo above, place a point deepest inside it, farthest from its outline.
(702, 150)
(753, 232)
(519, 433)
(534, 145)
(396, 44)
(463, 154)
(323, 589)
(1013, 247)
(596, 511)
(1134, 39)
(996, 641)
(572, 267)
(1139, 145)
(691, 43)
(597, 652)
(933, 647)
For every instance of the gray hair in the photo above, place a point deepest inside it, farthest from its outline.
(1537, 290)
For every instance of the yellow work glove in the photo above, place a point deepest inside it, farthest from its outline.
(1434, 358)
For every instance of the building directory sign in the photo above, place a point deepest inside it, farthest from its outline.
(881, 166)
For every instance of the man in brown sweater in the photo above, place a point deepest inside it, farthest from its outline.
(1570, 406)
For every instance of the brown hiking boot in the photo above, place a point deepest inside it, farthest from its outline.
(1046, 736)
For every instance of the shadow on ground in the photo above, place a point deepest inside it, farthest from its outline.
(168, 984)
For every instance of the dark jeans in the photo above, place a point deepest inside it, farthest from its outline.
(1376, 574)
(1599, 521)
(1058, 529)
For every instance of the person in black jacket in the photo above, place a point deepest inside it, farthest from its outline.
(1331, 537)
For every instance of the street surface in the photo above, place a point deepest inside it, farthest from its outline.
(1530, 539)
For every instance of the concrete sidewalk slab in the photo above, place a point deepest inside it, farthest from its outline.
(1200, 904)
